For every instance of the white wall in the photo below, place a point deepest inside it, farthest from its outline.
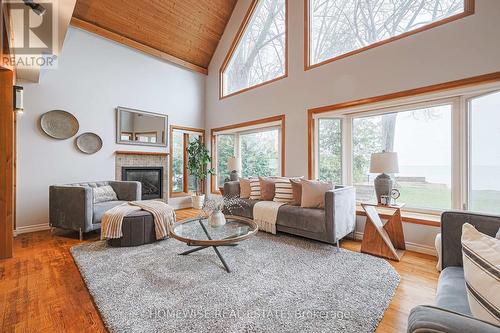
(461, 49)
(93, 78)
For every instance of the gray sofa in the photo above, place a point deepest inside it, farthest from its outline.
(329, 225)
(72, 206)
(452, 312)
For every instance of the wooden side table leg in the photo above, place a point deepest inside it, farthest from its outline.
(394, 228)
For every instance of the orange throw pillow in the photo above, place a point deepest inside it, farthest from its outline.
(313, 193)
(244, 188)
(296, 192)
(267, 188)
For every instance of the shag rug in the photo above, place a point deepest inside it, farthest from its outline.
(278, 283)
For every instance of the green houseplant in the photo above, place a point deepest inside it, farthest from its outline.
(198, 159)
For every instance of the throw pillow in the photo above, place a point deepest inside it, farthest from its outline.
(267, 188)
(244, 188)
(254, 189)
(283, 190)
(313, 193)
(104, 193)
(481, 257)
(498, 234)
(296, 192)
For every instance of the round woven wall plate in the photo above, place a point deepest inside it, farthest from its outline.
(59, 124)
(89, 143)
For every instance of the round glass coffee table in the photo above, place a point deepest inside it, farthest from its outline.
(197, 232)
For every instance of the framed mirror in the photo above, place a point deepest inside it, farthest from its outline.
(136, 127)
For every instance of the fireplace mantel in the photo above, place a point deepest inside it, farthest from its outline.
(130, 152)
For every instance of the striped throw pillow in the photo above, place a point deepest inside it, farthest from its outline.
(283, 190)
(254, 189)
(481, 257)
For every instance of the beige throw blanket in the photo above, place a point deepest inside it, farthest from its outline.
(164, 218)
(265, 214)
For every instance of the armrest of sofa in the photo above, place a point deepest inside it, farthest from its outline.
(451, 233)
(232, 189)
(127, 190)
(340, 211)
(71, 207)
(424, 318)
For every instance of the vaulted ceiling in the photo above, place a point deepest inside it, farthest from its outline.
(187, 30)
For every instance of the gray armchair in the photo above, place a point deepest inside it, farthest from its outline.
(452, 314)
(72, 206)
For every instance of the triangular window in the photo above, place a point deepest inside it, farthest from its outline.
(259, 52)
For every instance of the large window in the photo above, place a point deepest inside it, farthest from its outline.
(446, 145)
(484, 163)
(180, 181)
(259, 144)
(422, 139)
(259, 54)
(341, 27)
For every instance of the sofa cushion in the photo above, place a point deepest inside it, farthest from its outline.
(296, 192)
(101, 207)
(104, 193)
(244, 188)
(254, 189)
(283, 190)
(451, 291)
(481, 258)
(267, 188)
(313, 193)
(309, 219)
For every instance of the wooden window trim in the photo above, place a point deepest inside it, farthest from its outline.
(469, 7)
(234, 44)
(433, 220)
(261, 121)
(185, 180)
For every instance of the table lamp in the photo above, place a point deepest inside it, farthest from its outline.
(384, 163)
(234, 164)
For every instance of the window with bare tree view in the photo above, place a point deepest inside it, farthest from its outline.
(337, 27)
(260, 54)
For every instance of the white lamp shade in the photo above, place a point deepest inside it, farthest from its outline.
(234, 163)
(385, 162)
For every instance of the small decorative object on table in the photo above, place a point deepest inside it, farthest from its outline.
(214, 205)
(213, 209)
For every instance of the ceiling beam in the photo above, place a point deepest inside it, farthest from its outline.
(90, 27)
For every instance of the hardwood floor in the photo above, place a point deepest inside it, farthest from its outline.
(41, 289)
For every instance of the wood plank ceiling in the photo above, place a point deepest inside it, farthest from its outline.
(188, 30)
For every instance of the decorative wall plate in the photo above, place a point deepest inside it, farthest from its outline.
(89, 143)
(59, 124)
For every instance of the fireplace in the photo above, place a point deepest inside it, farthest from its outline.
(151, 179)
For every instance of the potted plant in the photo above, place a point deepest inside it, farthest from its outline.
(198, 159)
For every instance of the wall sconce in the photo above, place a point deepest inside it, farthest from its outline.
(18, 100)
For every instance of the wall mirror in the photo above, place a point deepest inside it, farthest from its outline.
(136, 127)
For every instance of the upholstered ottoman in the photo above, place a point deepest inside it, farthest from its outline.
(138, 228)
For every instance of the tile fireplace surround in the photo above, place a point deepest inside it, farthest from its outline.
(143, 159)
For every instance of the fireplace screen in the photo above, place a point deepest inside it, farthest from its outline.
(151, 179)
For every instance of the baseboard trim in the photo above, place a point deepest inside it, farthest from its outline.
(425, 249)
(31, 228)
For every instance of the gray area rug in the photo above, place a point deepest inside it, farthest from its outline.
(277, 284)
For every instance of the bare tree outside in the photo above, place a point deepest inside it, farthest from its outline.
(260, 53)
(340, 26)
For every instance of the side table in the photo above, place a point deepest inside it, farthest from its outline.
(383, 240)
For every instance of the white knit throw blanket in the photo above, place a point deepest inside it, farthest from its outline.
(265, 214)
(163, 214)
